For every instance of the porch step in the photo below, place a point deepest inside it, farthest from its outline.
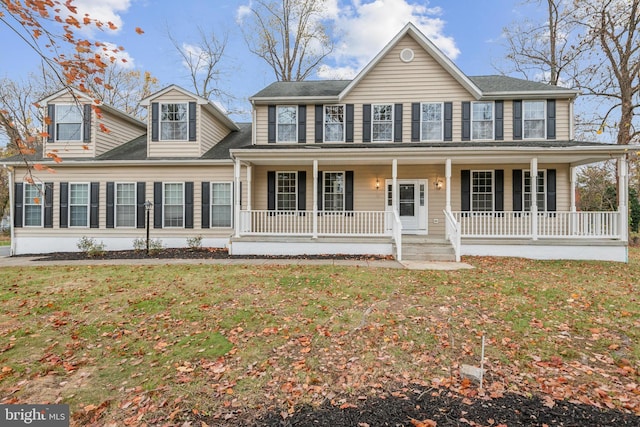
(426, 249)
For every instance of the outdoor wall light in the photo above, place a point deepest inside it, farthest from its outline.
(377, 184)
(438, 184)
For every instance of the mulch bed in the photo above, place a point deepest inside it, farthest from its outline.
(441, 408)
(185, 253)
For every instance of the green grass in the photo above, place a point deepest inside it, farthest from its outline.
(206, 335)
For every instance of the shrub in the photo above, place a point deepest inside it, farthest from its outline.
(140, 244)
(90, 247)
(194, 243)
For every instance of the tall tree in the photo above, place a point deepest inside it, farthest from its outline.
(289, 35)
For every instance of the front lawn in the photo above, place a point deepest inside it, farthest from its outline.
(164, 344)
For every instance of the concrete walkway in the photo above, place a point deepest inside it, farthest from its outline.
(22, 261)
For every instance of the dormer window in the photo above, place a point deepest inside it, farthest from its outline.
(174, 122)
(68, 120)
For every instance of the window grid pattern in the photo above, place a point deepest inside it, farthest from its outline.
(126, 204)
(286, 191)
(541, 195)
(482, 191)
(78, 205)
(33, 197)
(333, 187)
(382, 122)
(287, 121)
(431, 122)
(334, 123)
(174, 122)
(533, 119)
(173, 209)
(482, 120)
(221, 205)
(68, 123)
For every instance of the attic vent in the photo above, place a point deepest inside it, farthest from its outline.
(406, 55)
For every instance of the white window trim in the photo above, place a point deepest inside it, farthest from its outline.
(344, 191)
(544, 177)
(296, 121)
(211, 203)
(41, 190)
(493, 191)
(493, 121)
(115, 205)
(324, 123)
(544, 118)
(295, 173)
(88, 185)
(392, 121)
(160, 121)
(422, 138)
(55, 124)
(164, 185)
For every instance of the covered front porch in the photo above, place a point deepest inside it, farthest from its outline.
(428, 187)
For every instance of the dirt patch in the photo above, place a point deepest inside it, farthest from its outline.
(53, 388)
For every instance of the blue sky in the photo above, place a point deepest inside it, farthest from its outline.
(469, 31)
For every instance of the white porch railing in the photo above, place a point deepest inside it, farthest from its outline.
(396, 229)
(452, 230)
(301, 223)
(548, 224)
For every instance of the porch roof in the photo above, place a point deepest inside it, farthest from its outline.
(574, 153)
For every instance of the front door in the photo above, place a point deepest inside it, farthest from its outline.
(411, 204)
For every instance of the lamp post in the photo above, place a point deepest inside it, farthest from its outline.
(147, 207)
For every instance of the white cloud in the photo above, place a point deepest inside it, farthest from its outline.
(363, 28)
(242, 12)
(198, 57)
(122, 58)
(103, 10)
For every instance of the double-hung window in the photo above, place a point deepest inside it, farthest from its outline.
(78, 204)
(125, 204)
(173, 204)
(382, 122)
(221, 204)
(533, 117)
(481, 191)
(287, 123)
(541, 199)
(33, 196)
(334, 123)
(174, 122)
(286, 191)
(68, 123)
(482, 120)
(333, 191)
(431, 122)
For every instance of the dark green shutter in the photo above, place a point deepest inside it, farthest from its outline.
(48, 205)
(51, 127)
(188, 205)
(499, 190)
(320, 190)
(348, 191)
(64, 204)
(517, 189)
(141, 209)
(110, 205)
(366, 123)
(271, 190)
(18, 204)
(86, 123)
(157, 205)
(302, 190)
(551, 119)
(448, 121)
(499, 121)
(517, 119)
(319, 119)
(551, 190)
(302, 124)
(94, 219)
(349, 123)
(155, 123)
(271, 124)
(397, 125)
(192, 121)
(466, 121)
(465, 190)
(415, 122)
(206, 204)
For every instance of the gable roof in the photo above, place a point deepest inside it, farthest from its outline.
(217, 110)
(509, 87)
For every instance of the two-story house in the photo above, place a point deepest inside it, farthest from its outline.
(412, 158)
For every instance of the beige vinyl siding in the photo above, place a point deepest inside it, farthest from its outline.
(210, 130)
(119, 132)
(147, 174)
(169, 149)
(563, 119)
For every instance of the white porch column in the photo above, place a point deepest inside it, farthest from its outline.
(447, 178)
(623, 209)
(573, 174)
(394, 183)
(249, 181)
(315, 199)
(236, 196)
(534, 199)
